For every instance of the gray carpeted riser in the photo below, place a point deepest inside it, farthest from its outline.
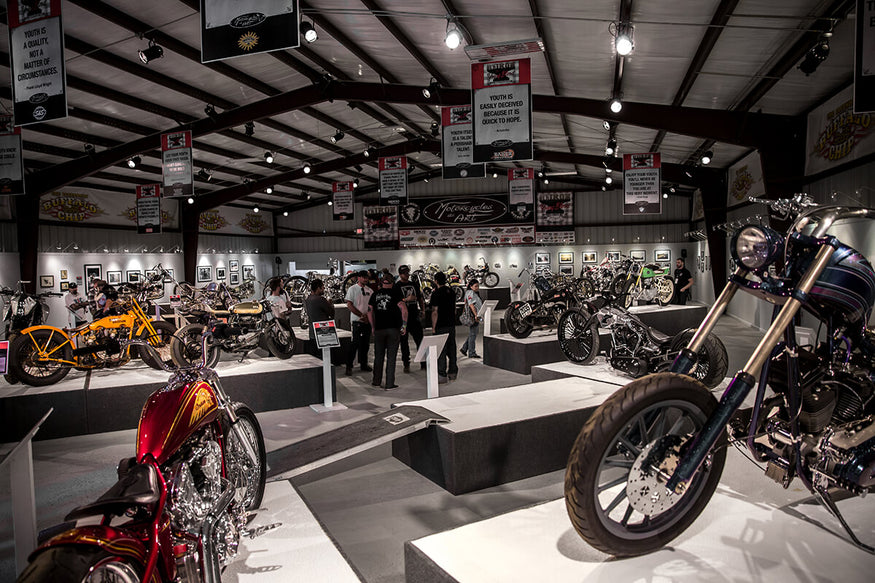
(420, 568)
(520, 357)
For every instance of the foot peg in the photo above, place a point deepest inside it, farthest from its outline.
(260, 530)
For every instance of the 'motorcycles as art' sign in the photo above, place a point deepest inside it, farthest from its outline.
(462, 211)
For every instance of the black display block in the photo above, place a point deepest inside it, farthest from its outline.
(502, 294)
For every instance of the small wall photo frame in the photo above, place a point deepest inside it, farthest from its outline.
(220, 273)
(63, 274)
(566, 257)
(134, 276)
(542, 259)
(590, 256)
(93, 271)
(662, 255)
(613, 255)
(248, 272)
(235, 278)
(638, 255)
(46, 281)
(233, 265)
(204, 273)
(566, 269)
(65, 286)
(113, 277)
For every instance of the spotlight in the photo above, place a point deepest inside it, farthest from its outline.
(608, 170)
(330, 203)
(307, 168)
(541, 173)
(339, 135)
(210, 110)
(616, 105)
(89, 149)
(623, 42)
(308, 31)
(607, 125)
(255, 210)
(671, 189)
(495, 174)
(190, 200)
(249, 128)
(664, 195)
(435, 129)
(706, 157)
(204, 174)
(308, 196)
(425, 179)
(268, 157)
(432, 89)
(546, 181)
(367, 152)
(269, 190)
(611, 147)
(815, 56)
(134, 162)
(285, 213)
(150, 53)
(454, 35)
(608, 180)
(355, 183)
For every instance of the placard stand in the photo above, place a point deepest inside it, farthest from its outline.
(428, 352)
(326, 339)
(485, 313)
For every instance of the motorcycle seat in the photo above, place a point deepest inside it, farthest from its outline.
(658, 336)
(137, 486)
(77, 328)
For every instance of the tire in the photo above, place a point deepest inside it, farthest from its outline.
(578, 344)
(165, 331)
(279, 339)
(664, 290)
(350, 281)
(626, 294)
(248, 479)
(518, 326)
(460, 293)
(712, 362)
(80, 564)
(296, 287)
(491, 279)
(617, 284)
(595, 489)
(585, 287)
(185, 347)
(28, 369)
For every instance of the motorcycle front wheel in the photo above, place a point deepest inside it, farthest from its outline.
(248, 477)
(664, 290)
(80, 564)
(279, 339)
(185, 347)
(161, 343)
(614, 493)
(296, 287)
(491, 279)
(586, 287)
(630, 289)
(618, 284)
(578, 342)
(40, 358)
(518, 326)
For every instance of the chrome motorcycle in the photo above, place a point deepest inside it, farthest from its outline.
(545, 304)
(24, 309)
(648, 460)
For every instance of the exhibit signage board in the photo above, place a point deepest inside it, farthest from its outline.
(148, 208)
(11, 162)
(555, 217)
(836, 135)
(246, 27)
(343, 207)
(393, 180)
(521, 186)
(457, 143)
(642, 184)
(326, 334)
(745, 180)
(864, 60)
(85, 206)
(501, 98)
(227, 220)
(176, 164)
(380, 227)
(36, 47)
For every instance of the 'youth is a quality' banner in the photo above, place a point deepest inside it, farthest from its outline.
(457, 144)
(501, 97)
(176, 164)
(343, 206)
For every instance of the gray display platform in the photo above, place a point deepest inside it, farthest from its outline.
(110, 400)
(304, 345)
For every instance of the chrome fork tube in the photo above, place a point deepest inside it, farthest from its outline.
(714, 313)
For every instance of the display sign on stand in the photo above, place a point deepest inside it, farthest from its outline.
(428, 352)
(485, 314)
(4, 354)
(326, 339)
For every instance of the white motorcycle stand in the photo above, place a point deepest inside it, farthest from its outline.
(428, 352)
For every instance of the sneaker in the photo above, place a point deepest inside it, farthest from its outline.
(473, 356)
(390, 387)
(348, 371)
(366, 368)
(376, 383)
(452, 377)
(464, 352)
(442, 380)
(406, 367)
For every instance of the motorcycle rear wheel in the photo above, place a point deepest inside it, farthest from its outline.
(621, 434)
(243, 475)
(165, 331)
(491, 279)
(664, 290)
(518, 326)
(279, 339)
(617, 284)
(296, 287)
(185, 347)
(23, 350)
(578, 343)
(712, 362)
(628, 293)
(80, 564)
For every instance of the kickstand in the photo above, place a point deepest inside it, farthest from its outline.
(826, 500)
(243, 356)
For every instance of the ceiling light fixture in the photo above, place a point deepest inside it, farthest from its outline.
(285, 213)
(89, 149)
(249, 128)
(330, 203)
(435, 129)
(190, 200)
(454, 36)
(355, 183)
(432, 89)
(616, 105)
(210, 110)
(268, 157)
(308, 31)
(134, 162)
(255, 209)
(608, 170)
(623, 41)
(611, 147)
(495, 174)
(815, 56)
(607, 125)
(706, 157)
(664, 195)
(204, 174)
(152, 52)
(608, 180)
(307, 168)
(338, 135)
(425, 179)
(269, 190)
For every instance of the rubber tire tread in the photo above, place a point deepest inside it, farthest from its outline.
(489, 277)
(594, 349)
(242, 411)
(177, 345)
(19, 373)
(522, 333)
(271, 346)
(146, 356)
(66, 564)
(716, 354)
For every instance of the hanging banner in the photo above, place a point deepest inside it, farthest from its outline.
(233, 29)
(492, 209)
(148, 209)
(176, 164)
(36, 47)
(393, 180)
(11, 163)
(745, 180)
(864, 62)
(228, 220)
(502, 110)
(642, 184)
(343, 207)
(555, 211)
(84, 206)
(836, 135)
(457, 144)
(380, 227)
(521, 186)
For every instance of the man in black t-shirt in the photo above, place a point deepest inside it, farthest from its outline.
(413, 298)
(443, 321)
(388, 316)
(683, 281)
(319, 309)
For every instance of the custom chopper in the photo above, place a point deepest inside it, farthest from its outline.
(648, 460)
(23, 309)
(545, 304)
(181, 504)
(482, 273)
(644, 282)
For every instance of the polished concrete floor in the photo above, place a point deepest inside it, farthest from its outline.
(371, 503)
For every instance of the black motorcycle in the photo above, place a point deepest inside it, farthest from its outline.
(636, 349)
(649, 458)
(543, 308)
(481, 273)
(23, 309)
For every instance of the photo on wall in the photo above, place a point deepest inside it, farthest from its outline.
(542, 259)
(566, 269)
(150, 273)
(46, 281)
(248, 272)
(65, 286)
(590, 256)
(113, 277)
(93, 271)
(638, 255)
(220, 273)
(662, 255)
(566, 257)
(613, 255)
(134, 276)
(233, 265)
(168, 275)
(204, 273)
(235, 278)
(63, 274)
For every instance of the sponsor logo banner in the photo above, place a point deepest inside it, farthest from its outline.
(864, 62)
(464, 210)
(501, 98)
(234, 221)
(836, 135)
(343, 208)
(550, 237)
(393, 180)
(380, 227)
(177, 164)
(232, 28)
(467, 236)
(745, 180)
(555, 211)
(93, 207)
(11, 163)
(149, 208)
(642, 184)
(457, 141)
(36, 46)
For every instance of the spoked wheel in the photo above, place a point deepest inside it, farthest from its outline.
(617, 284)
(160, 342)
(615, 480)
(578, 342)
(279, 339)
(247, 475)
(629, 290)
(296, 287)
(664, 290)
(585, 287)
(460, 292)
(491, 279)
(518, 325)
(186, 348)
(80, 564)
(712, 360)
(41, 357)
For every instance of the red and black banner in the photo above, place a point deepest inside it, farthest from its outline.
(177, 164)
(36, 57)
(393, 180)
(11, 162)
(457, 144)
(521, 188)
(501, 97)
(232, 28)
(148, 209)
(864, 60)
(642, 184)
(343, 207)
(381, 227)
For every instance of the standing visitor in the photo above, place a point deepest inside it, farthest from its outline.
(683, 281)
(443, 321)
(75, 305)
(412, 295)
(357, 299)
(318, 309)
(472, 307)
(388, 317)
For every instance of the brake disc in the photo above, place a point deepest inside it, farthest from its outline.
(653, 467)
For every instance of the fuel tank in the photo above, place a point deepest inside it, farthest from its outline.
(846, 288)
(170, 417)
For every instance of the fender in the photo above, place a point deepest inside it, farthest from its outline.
(52, 328)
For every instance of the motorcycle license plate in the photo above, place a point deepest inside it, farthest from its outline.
(525, 310)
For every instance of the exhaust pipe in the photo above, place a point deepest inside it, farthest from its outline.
(212, 568)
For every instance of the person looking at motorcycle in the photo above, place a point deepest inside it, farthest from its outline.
(75, 305)
(472, 307)
(683, 281)
(105, 298)
(388, 317)
(279, 301)
(357, 299)
(443, 321)
(318, 310)
(412, 295)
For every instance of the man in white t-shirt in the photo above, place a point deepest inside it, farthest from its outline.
(357, 299)
(75, 305)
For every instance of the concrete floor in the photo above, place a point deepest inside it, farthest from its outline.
(370, 504)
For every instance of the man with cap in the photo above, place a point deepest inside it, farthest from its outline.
(412, 295)
(358, 297)
(388, 318)
(75, 305)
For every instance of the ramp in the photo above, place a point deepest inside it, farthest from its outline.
(325, 448)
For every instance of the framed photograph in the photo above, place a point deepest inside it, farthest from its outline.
(235, 278)
(151, 273)
(233, 265)
(204, 273)
(93, 271)
(542, 259)
(638, 255)
(566, 269)
(65, 286)
(248, 272)
(613, 255)
(662, 255)
(134, 276)
(168, 276)
(113, 277)
(566, 257)
(220, 273)
(590, 256)
(63, 274)
(46, 281)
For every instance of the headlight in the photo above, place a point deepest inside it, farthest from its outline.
(755, 247)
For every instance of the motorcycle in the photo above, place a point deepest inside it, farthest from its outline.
(184, 499)
(454, 280)
(644, 283)
(482, 274)
(648, 460)
(298, 287)
(250, 325)
(43, 355)
(543, 308)
(636, 349)
(24, 309)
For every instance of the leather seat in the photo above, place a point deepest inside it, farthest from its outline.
(137, 486)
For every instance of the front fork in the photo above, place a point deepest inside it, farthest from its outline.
(745, 379)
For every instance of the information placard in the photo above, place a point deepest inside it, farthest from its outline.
(457, 144)
(176, 164)
(343, 208)
(642, 184)
(326, 334)
(148, 208)
(502, 110)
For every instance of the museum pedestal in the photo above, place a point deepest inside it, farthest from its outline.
(500, 293)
